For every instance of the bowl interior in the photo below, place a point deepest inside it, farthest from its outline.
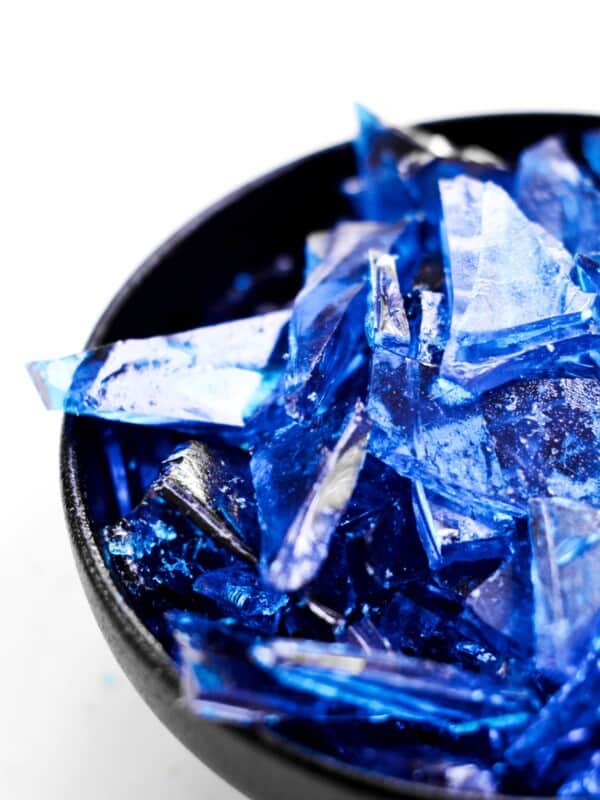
(188, 282)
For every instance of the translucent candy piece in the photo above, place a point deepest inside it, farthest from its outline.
(327, 323)
(386, 323)
(198, 515)
(590, 144)
(213, 494)
(220, 682)
(427, 620)
(565, 540)
(587, 271)
(503, 601)
(325, 249)
(405, 688)
(546, 436)
(585, 782)
(305, 541)
(515, 309)
(458, 530)
(433, 328)
(157, 554)
(400, 168)
(422, 436)
(239, 593)
(564, 735)
(553, 191)
(380, 193)
(461, 237)
(215, 375)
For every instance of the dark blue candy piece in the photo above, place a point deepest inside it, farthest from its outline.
(239, 593)
(565, 541)
(326, 330)
(379, 193)
(562, 738)
(397, 686)
(421, 435)
(586, 782)
(221, 682)
(546, 436)
(590, 144)
(554, 191)
(453, 529)
(503, 601)
(300, 510)
(198, 515)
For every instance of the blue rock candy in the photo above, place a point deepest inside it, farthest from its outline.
(220, 682)
(546, 436)
(515, 309)
(554, 191)
(300, 531)
(239, 593)
(563, 736)
(216, 375)
(387, 323)
(396, 686)
(590, 144)
(565, 539)
(459, 530)
(327, 322)
(447, 447)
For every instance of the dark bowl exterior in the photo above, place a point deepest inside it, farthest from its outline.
(175, 289)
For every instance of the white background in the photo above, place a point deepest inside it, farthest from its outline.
(119, 120)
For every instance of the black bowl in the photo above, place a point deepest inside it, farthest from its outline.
(180, 286)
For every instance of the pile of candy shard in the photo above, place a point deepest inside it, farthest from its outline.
(375, 529)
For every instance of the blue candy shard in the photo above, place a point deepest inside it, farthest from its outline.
(216, 375)
(220, 682)
(555, 192)
(433, 327)
(399, 169)
(564, 734)
(590, 144)
(426, 620)
(515, 310)
(327, 322)
(447, 447)
(586, 782)
(587, 271)
(459, 530)
(397, 686)
(379, 193)
(238, 592)
(565, 540)
(546, 436)
(503, 601)
(324, 248)
(300, 533)
(386, 322)
(198, 515)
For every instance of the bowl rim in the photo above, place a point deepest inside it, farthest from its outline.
(122, 627)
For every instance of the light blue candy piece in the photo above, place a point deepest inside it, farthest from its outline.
(555, 192)
(515, 312)
(565, 540)
(217, 375)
